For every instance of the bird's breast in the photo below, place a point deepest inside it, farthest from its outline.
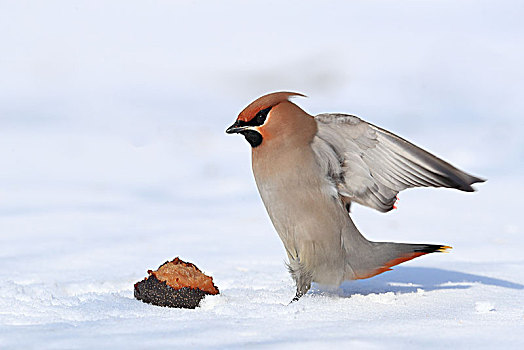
(307, 214)
(299, 199)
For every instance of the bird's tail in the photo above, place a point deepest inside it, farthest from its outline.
(367, 259)
(385, 255)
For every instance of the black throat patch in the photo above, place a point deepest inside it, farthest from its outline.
(253, 137)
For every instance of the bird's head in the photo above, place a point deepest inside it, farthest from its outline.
(265, 117)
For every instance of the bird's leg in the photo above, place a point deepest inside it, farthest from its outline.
(301, 290)
(301, 276)
(303, 282)
(296, 297)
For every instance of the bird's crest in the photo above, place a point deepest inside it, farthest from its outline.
(266, 101)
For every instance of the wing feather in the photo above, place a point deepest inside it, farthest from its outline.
(370, 165)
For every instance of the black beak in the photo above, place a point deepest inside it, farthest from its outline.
(235, 129)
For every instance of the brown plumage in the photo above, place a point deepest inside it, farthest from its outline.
(309, 170)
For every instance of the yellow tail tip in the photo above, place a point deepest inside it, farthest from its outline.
(444, 249)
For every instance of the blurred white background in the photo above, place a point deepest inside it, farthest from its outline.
(113, 151)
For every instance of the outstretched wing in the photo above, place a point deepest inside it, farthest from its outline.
(370, 165)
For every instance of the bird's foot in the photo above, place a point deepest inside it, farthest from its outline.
(296, 297)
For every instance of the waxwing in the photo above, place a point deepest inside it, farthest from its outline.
(309, 170)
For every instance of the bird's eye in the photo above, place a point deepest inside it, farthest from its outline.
(260, 119)
(261, 116)
(257, 120)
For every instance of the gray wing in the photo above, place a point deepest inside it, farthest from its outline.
(370, 165)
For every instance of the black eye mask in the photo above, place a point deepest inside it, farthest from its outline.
(253, 137)
(258, 120)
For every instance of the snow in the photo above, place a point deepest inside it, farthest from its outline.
(114, 159)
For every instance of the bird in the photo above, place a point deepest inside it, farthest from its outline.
(309, 170)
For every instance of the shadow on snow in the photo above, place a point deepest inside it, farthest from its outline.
(409, 279)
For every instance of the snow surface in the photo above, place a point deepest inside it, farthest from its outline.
(114, 159)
